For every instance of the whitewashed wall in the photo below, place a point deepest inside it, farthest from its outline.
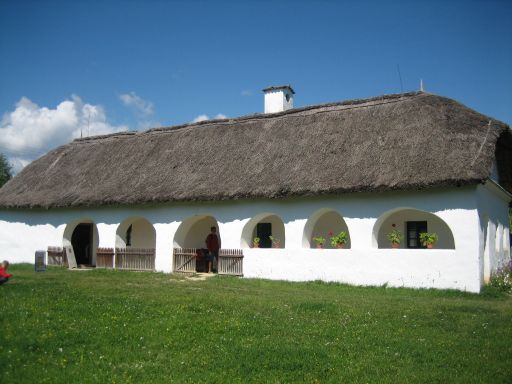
(22, 232)
(494, 235)
(419, 268)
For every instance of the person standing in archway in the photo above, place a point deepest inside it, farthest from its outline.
(213, 245)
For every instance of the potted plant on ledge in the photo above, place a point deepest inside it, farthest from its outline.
(428, 239)
(320, 241)
(395, 237)
(276, 243)
(339, 240)
(256, 242)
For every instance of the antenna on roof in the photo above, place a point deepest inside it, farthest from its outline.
(421, 85)
(400, 77)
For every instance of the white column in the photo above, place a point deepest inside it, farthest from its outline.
(163, 251)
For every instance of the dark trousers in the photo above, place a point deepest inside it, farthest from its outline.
(3, 280)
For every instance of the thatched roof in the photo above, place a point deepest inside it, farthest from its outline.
(397, 142)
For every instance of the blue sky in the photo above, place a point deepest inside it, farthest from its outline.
(104, 66)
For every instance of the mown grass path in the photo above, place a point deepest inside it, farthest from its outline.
(127, 327)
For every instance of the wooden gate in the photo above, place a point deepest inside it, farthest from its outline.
(138, 259)
(231, 262)
(184, 260)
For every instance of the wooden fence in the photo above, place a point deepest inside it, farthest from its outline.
(105, 258)
(231, 262)
(137, 259)
(184, 260)
(57, 256)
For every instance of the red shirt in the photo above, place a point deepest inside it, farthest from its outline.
(3, 273)
(212, 242)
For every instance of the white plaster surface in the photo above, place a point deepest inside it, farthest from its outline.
(494, 237)
(22, 232)
(275, 100)
(419, 268)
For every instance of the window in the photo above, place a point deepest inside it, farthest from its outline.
(414, 228)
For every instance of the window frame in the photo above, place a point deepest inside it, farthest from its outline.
(418, 227)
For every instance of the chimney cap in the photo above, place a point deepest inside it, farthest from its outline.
(278, 87)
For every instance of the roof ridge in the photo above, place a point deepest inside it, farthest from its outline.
(355, 103)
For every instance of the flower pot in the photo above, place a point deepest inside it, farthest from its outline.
(340, 246)
(430, 246)
(395, 245)
(319, 246)
(255, 245)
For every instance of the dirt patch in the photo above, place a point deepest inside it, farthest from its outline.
(199, 276)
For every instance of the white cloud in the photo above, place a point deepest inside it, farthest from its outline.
(29, 131)
(137, 104)
(199, 118)
(246, 92)
(203, 117)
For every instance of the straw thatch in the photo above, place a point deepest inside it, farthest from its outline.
(395, 142)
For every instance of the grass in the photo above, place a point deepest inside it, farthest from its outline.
(102, 326)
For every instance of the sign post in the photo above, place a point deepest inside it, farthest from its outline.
(40, 263)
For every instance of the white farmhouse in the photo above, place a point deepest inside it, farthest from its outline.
(412, 162)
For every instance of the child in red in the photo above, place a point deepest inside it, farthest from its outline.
(4, 276)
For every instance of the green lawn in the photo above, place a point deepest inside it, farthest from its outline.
(103, 326)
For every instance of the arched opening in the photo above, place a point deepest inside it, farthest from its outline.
(411, 222)
(268, 227)
(193, 231)
(325, 223)
(82, 236)
(136, 232)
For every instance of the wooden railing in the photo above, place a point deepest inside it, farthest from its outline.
(231, 262)
(184, 260)
(57, 256)
(138, 259)
(105, 258)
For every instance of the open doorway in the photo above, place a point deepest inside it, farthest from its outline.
(82, 242)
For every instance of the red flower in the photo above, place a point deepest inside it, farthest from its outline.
(331, 233)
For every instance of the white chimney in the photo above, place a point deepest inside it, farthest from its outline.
(278, 99)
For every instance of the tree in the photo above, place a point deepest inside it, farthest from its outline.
(5, 170)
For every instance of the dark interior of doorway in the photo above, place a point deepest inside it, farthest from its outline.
(264, 231)
(81, 240)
